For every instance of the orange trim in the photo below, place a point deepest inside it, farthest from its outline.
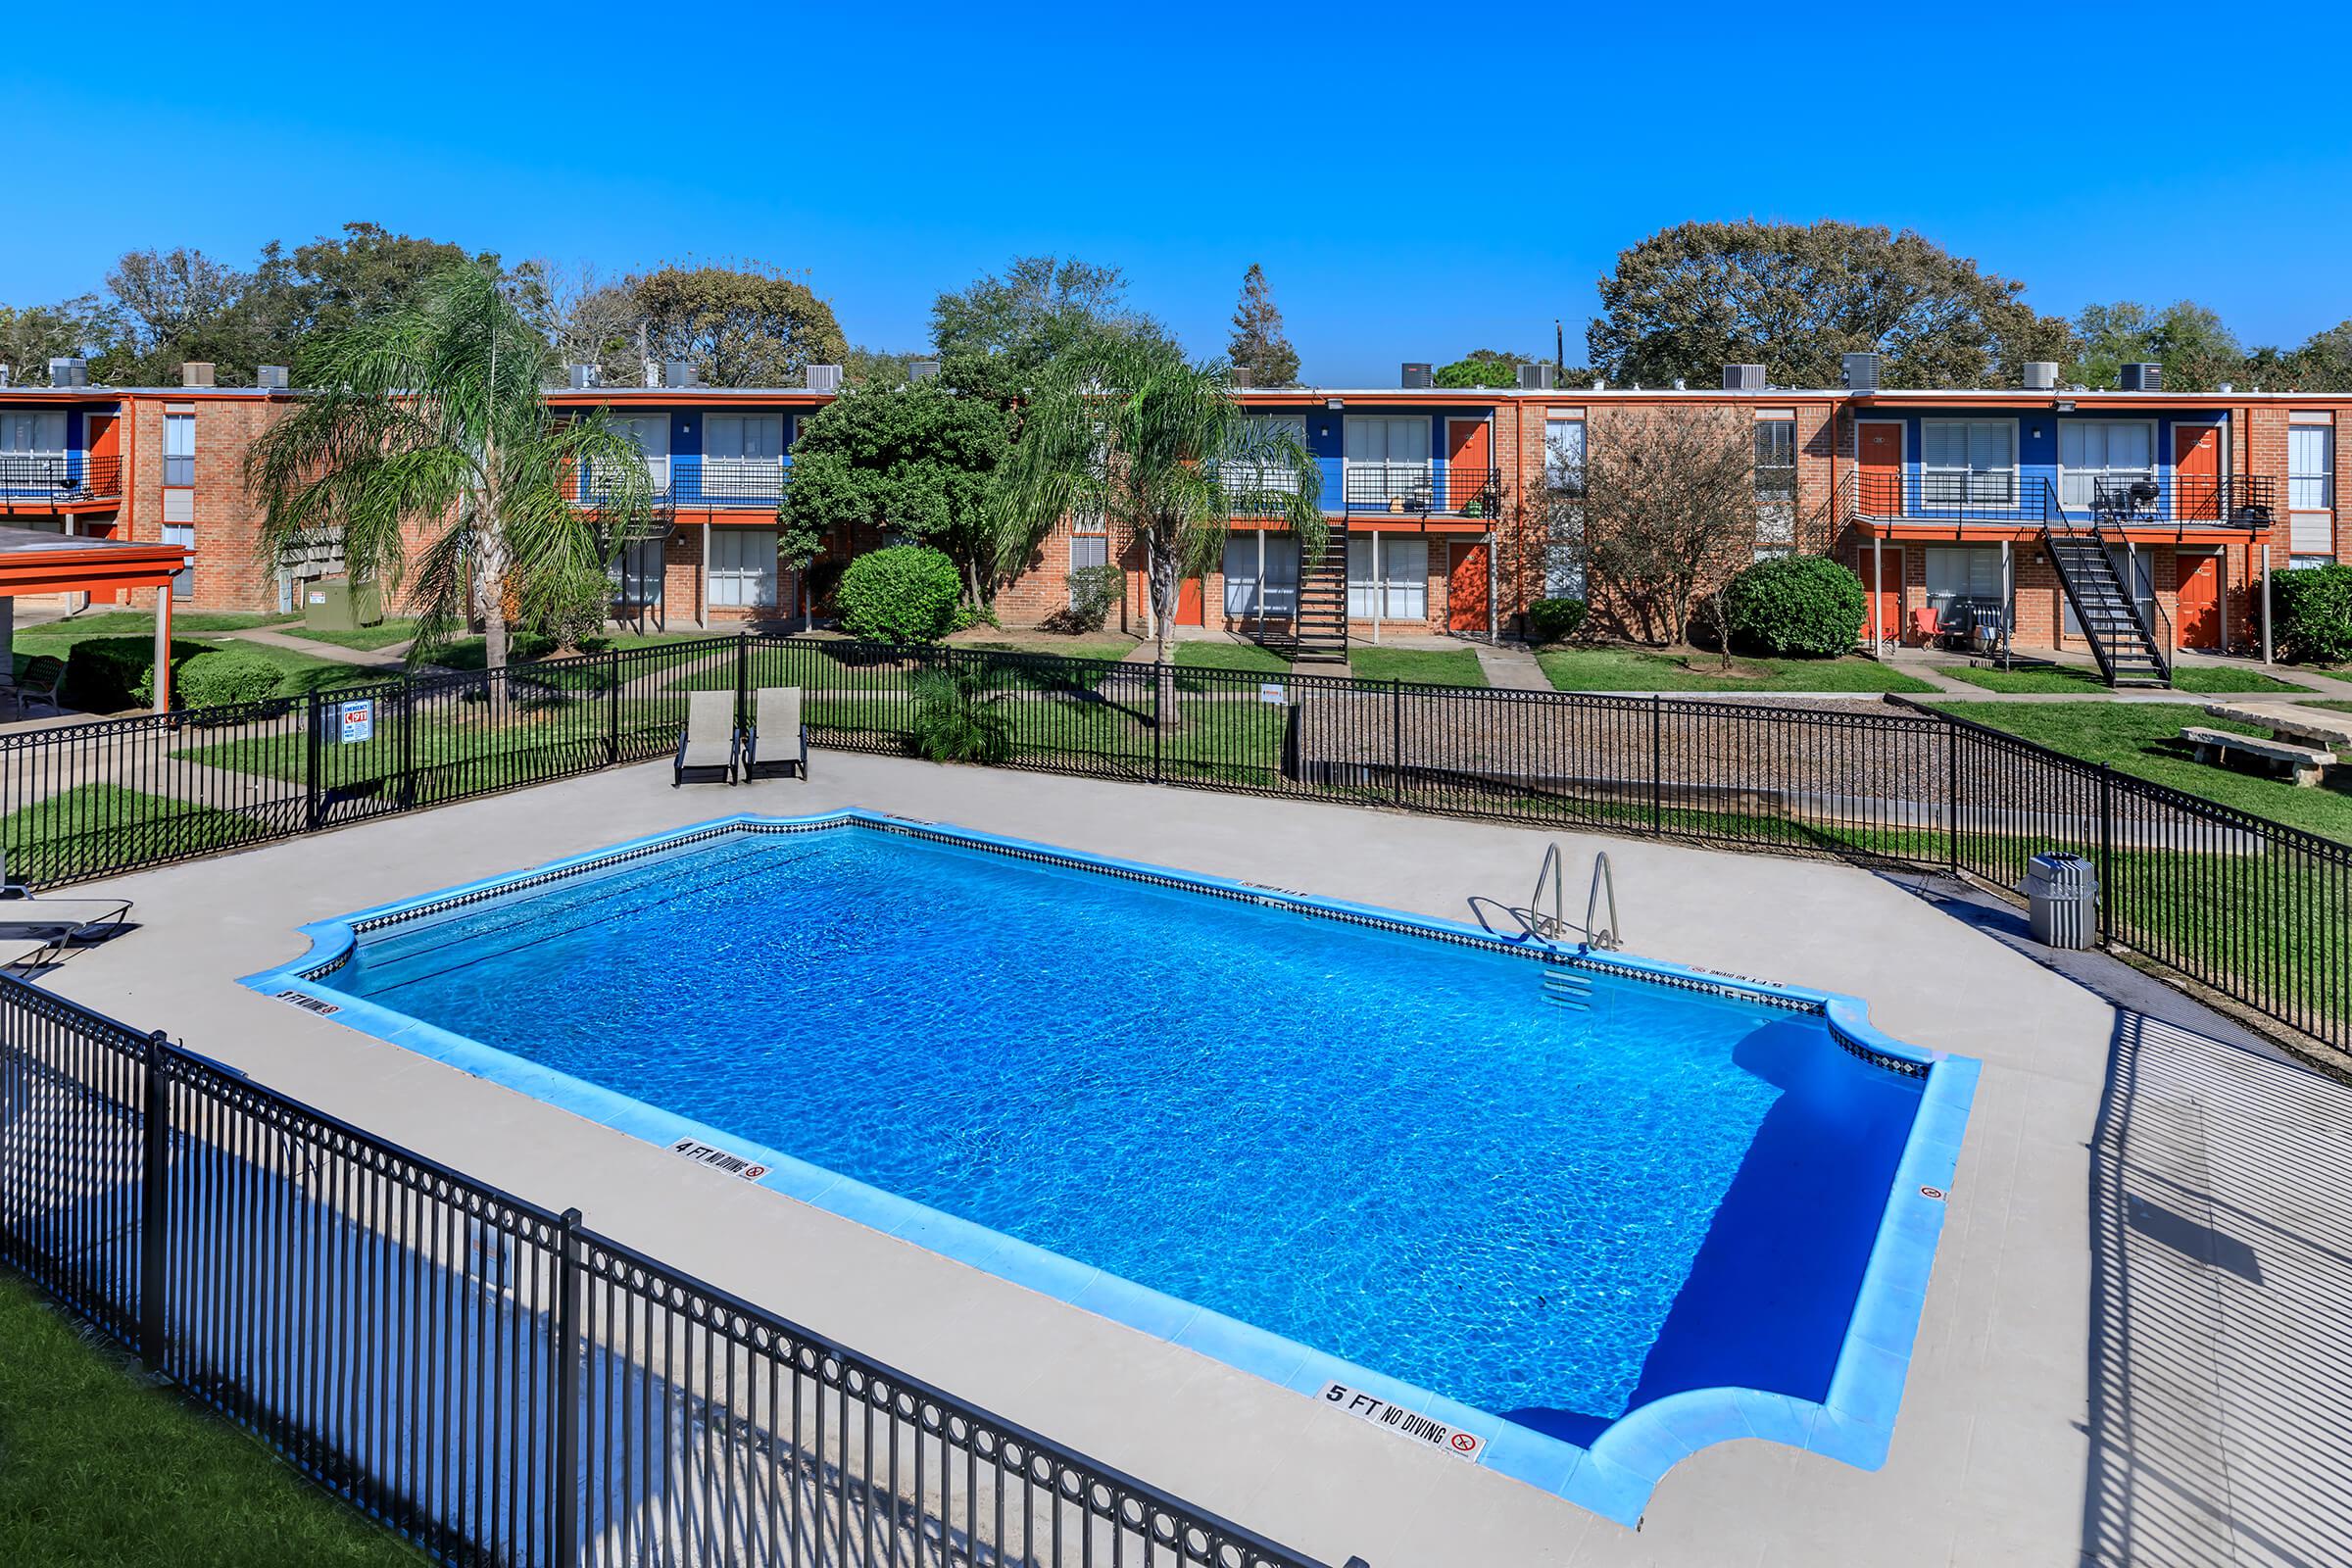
(66, 572)
(1993, 533)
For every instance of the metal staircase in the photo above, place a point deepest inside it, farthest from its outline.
(2127, 651)
(1320, 633)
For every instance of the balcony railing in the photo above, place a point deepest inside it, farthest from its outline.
(2032, 500)
(36, 482)
(1422, 489)
(687, 482)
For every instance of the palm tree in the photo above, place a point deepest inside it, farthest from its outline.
(1124, 427)
(428, 428)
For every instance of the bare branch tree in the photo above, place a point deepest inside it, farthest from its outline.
(1669, 512)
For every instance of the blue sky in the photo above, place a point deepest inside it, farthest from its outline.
(1417, 181)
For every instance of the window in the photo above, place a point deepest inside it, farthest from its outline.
(1087, 550)
(2096, 455)
(650, 432)
(1245, 478)
(1387, 460)
(179, 448)
(1968, 461)
(637, 574)
(2310, 468)
(743, 455)
(184, 581)
(743, 568)
(1964, 572)
(33, 432)
(1401, 590)
(1775, 483)
(1564, 455)
(1242, 576)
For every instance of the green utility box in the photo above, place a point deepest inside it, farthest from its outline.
(337, 603)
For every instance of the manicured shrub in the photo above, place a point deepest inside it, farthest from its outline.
(901, 594)
(104, 674)
(1556, 620)
(961, 715)
(1805, 605)
(2312, 611)
(568, 606)
(227, 679)
(1095, 591)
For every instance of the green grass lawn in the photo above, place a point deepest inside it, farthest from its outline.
(100, 1470)
(367, 639)
(2143, 739)
(141, 623)
(1635, 670)
(2082, 679)
(92, 829)
(1247, 658)
(297, 672)
(1421, 667)
(1052, 647)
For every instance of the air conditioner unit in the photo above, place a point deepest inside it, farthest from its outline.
(680, 373)
(582, 377)
(1417, 375)
(2041, 375)
(195, 372)
(1860, 372)
(1241, 376)
(1539, 378)
(824, 379)
(923, 369)
(2143, 376)
(1744, 378)
(272, 377)
(68, 372)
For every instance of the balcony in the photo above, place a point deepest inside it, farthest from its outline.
(700, 483)
(58, 481)
(2019, 499)
(1421, 490)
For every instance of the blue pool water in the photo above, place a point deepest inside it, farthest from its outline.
(1392, 1148)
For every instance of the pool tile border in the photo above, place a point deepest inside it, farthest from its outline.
(1613, 1477)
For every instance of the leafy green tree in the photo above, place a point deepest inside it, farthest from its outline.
(1124, 427)
(32, 335)
(1690, 299)
(739, 326)
(367, 270)
(916, 462)
(1017, 323)
(1482, 367)
(2196, 350)
(170, 307)
(430, 428)
(1258, 345)
(2324, 364)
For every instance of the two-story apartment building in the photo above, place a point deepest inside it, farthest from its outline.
(2070, 513)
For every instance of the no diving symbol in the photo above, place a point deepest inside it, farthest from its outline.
(1464, 1443)
(1931, 1192)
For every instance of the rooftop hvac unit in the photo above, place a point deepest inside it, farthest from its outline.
(1860, 372)
(581, 376)
(1417, 375)
(1539, 378)
(923, 369)
(1241, 376)
(680, 373)
(2041, 375)
(68, 372)
(271, 378)
(1744, 378)
(824, 379)
(2142, 377)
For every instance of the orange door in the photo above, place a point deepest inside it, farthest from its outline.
(1881, 448)
(1886, 594)
(2197, 475)
(1468, 456)
(1466, 589)
(1188, 602)
(2201, 610)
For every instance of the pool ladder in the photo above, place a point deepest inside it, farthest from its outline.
(1554, 926)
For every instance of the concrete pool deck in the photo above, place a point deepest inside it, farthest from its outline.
(2131, 1349)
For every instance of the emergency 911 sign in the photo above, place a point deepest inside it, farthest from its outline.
(356, 722)
(1405, 1423)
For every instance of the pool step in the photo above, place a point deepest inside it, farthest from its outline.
(1565, 988)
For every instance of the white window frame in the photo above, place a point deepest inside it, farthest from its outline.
(757, 477)
(1936, 493)
(180, 430)
(2311, 489)
(2081, 494)
(1400, 478)
(657, 464)
(1281, 554)
(747, 580)
(1396, 596)
(13, 422)
(1096, 543)
(184, 581)
(1966, 584)
(1245, 478)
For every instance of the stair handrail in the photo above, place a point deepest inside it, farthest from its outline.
(1550, 872)
(1605, 938)
(2158, 649)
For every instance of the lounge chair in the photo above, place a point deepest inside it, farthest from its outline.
(52, 925)
(778, 745)
(711, 745)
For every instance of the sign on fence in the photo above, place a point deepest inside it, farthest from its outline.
(357, 721)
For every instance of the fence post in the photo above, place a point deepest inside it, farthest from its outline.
(313, 809)
(1952, 793)
(1161, 677)
(743, 678)
(613, 711)
(408, 740)
(563, 1524)
(155, 1209)
(1396, 739)
(1657, 764)
(2106, 852)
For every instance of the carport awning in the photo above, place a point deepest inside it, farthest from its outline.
(33, 561)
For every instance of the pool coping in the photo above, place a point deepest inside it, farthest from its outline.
(1613, 1476)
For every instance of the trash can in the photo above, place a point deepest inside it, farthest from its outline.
(2062, 893)
(337, 603)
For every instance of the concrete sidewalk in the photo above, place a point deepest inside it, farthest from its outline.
(2134, 1348)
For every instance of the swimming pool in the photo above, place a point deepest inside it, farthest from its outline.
(1584, 1214)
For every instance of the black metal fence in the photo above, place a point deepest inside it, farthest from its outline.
(488, 1377)
(2256, 910)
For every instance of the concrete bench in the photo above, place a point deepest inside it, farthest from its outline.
(2304, 765)
(2328, 731)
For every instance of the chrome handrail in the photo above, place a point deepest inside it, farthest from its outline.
(1607, 939)
(1551, 872)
